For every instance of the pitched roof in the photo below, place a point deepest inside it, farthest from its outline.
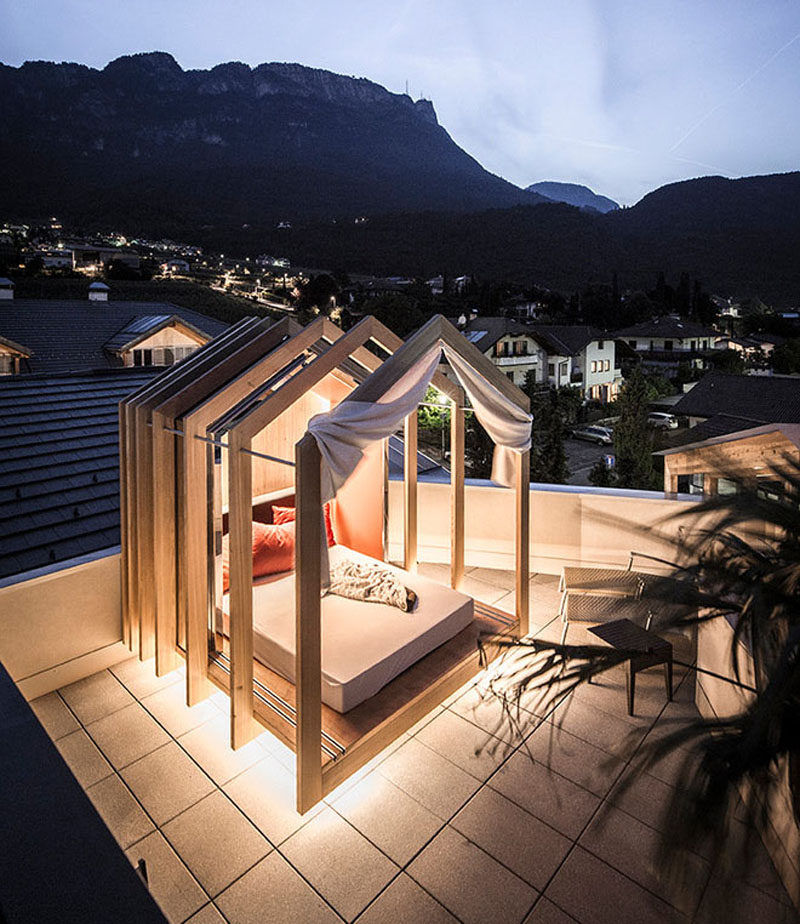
(59, 465)
(560, 339)
(718, 425)
(670, 327)
(790, 430)
(16, 347)
(143, 327)
(760, 398)
(70, 335)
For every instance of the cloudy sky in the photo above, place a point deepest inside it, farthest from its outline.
(622, 95)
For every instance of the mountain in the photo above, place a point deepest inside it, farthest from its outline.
(233, 145)
(573, 194)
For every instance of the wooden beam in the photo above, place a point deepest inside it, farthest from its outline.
(123, 527)
(240, 533)
(410, 554)
(457, 492)
(308, 641)
(131, 556)
(145, 574)
(164, 546)
(194, 541)
(522, 478)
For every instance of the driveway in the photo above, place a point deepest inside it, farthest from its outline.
(582, 456)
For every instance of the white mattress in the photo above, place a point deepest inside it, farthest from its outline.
(364, 645)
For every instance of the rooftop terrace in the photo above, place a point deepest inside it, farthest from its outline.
(448, 824)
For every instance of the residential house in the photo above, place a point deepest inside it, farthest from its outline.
(557, 355)
(662, 344)
(58, 335)
(719, 464)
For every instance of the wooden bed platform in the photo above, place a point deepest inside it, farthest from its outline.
(350, 739)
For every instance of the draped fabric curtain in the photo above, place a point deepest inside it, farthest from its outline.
(344, 433)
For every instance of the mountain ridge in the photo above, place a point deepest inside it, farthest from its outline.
(573, 194)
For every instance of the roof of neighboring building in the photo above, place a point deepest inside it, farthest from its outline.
(670, 327)
(560, 339)
(16, 347)
(760, 398)
(790, 430)
(719, 425)
(71, 335)
(59, 465)
(6, 283)
(141, 328)
(98, 287)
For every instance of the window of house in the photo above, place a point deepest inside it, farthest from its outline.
(143, 357)
(510, 375)
(607, 365)
(8, 364)
(632, 344)
(600, 344)
(551, 368)
(594, 365)
(652, 345)
(564, 369)
(667, 344)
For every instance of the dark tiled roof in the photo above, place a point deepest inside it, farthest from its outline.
(758, 398)
(70, 335)
(671, 328)
(59, 465)
(560, 339)
(719, 425)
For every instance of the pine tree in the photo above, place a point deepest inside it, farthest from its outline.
(633, 436)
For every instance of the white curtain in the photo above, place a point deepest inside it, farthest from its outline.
(344, 433)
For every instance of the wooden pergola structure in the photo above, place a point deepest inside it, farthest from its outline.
(236, 399)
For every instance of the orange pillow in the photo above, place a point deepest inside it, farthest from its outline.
(273, 551)
(282, 515)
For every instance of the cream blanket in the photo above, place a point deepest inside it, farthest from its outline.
(371, 583)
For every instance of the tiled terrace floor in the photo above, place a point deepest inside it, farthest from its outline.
(438, 828)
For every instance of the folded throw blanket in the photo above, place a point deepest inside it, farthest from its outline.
(371, 583)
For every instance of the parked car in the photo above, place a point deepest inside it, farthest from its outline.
(662, 420)
(601, 435)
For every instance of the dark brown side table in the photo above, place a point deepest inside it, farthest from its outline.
(651, 650)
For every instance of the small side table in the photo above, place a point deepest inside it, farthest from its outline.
(651, 648)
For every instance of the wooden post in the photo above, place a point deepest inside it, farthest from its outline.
(523, 491)
(410, 553)
(195, 566)
(240, 530)
(164, 546)
(457, 491)
(308, 639)
(131, 557)
(144, 516)
(123, 529)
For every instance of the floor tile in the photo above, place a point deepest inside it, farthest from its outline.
(273, 893)
(573, 758)
(266, 794)
(170, 883)
(429, 778)
(469, 883)
(389, 817)
(120, 811)
(339, 862)
(549, 796)
(87, 764)
(127, 735)
(594, 893)
(96, 696)
(168, 707)
(601, 729)
(208, 914)
(55, 717)
(139, 677)
(405, 901)
(735, 902)
(210, 746)
(527, 846)
(216, 842)
(633, 848)
(463, 743)
(545, 912)
(167, 782)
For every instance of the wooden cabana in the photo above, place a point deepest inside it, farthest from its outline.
(233, 427)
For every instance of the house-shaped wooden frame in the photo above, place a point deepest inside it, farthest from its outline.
(330, 746)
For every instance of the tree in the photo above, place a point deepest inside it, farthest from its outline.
(601, 476)
(729, 361)
(478, 449)
(399, 313)
(548, 458)
(633, 436)
(317, 296)
(786, 357)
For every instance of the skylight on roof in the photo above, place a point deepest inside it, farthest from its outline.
(475, 335)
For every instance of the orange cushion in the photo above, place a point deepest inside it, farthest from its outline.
(283, 515)
(273, 551)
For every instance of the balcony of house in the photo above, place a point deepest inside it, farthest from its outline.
(462, 818)
(526, 359)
